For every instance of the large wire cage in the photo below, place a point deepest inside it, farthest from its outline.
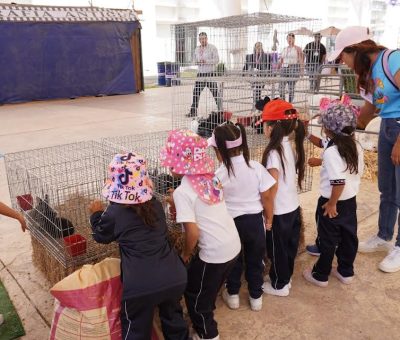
(242, 75)
(52, 187)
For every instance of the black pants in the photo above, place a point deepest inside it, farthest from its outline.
(336, 235)
(198, 88)
(137, 315)
(252, 234)
(282, 244)
(204, 283)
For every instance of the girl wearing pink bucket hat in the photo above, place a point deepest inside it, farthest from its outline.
(152, 273)
(200, 207)
(378, 71)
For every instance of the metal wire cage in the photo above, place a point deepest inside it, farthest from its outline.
(52, 187)
(149, 146)
(243, 73)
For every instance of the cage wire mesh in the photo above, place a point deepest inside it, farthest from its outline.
(52, 187)
(229, 88)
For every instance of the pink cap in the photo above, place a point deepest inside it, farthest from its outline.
(185, 152)
(349, 36)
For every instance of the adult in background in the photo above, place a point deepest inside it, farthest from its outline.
(378, 71)
(291, 64)
(257, 64)
(315, 53)
(206, 57)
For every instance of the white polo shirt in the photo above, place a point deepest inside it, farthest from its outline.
(219, 240)
(333, 172)
(242, 189)
(286, 199)
(209, 54)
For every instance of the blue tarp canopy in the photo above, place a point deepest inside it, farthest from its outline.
(46, 60)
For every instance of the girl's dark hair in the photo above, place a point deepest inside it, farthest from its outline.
(347, 148)
(146, 212)
(280, 129)
(230, 132)
(363, 64)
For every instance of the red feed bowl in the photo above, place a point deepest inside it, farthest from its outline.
(25, 202)
(75, 244)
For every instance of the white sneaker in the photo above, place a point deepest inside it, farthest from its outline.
(255, 304)
(267, 279)
(268, 289)
(232, 301)
(195, 336)
(343, 279)
(373, 244)
(391, 263)
(307, 274)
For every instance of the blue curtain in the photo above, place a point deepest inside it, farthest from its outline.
(63, 60)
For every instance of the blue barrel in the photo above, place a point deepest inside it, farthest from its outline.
(171, 71)
(161, 73)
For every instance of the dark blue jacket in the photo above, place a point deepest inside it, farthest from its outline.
(148, 264)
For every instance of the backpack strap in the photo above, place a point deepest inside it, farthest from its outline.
(386, 70)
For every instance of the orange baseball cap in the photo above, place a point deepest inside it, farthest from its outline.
(278, 109)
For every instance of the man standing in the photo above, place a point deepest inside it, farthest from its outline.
(206, 57)
(315, 53)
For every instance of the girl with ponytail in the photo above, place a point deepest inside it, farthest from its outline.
(286, 166)
(246, 185)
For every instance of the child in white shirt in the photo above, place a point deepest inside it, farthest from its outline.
(201, 208)
(341, 172)
(281, 120)
(246, 185)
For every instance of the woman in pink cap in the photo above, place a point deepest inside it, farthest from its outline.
(378, 81)
(152, 273)
(201, 208)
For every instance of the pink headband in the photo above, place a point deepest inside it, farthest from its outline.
(230, 144)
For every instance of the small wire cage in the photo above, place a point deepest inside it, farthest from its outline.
(52, 187)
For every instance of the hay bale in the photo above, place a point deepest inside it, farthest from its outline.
(53, 270)
(370, 164)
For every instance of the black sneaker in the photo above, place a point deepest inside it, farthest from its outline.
(313, 250)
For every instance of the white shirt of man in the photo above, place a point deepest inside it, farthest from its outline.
(219, 240)
(333, 172)
(286, 199)
(243, 187)
(208, 54)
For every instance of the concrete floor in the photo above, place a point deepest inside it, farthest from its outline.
(368, 309)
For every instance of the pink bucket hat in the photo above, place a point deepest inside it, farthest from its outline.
(128, 181)
(349, 36)
(186, 153)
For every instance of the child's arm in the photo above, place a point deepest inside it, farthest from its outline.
(7, 211)
(315, 140)
(330, 206)
(273, 190)
(191, 237)
(102, 223)
(314, 161)
(268, 203)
